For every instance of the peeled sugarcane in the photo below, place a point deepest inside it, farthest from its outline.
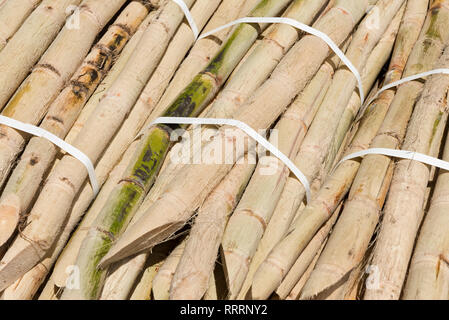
(69, 174)
(163, 279)
(112, 75)
(125, 285)
(203, 48)
(243, 232)
(28, 284)
(126, 272)
(143, 288)
(58, 280)
(79, 207)
(286, 208)
(306, 258)
(428, 275)
(29, 43)
(150, 95)
(78, 210)
(40, 153)
(404, 208)
(251, 73)
(12, 15)
(30, 102)
(368, 192)
(337, 184)
(377, 59)
(130, 269)
(152, 149)
(193, 273)
(203, 51)
(260, 111)
(178, 47)
(296, 290)
(155, 261)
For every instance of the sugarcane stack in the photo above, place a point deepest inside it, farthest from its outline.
(188, 211)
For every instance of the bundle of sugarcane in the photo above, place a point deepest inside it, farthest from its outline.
(206, 212)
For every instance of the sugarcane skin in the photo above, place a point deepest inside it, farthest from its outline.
(119, 212)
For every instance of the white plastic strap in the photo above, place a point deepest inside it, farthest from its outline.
(289, 21)
(250, 132)
(39, 132)
(403, 154)
(189, 17)
(407, 79)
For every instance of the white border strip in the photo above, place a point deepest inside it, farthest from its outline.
(250, 132)
(39, 132)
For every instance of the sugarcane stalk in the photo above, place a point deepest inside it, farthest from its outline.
(251, 74)
(23, 287)
(203, 51)
(193, 273)
(143, 289)
(155, 261)
(150, 95)
(68, 257)
(79, 207)
(12, 15)
(306, 258)
(154, 145)
(408, 188)
(428, 272)
(60, 277)
(30, 102)
(69, 174)
(163, 279)
(40, 153)
(29, 43)
(317, 142)
(243, 232)
(199, 54)
(296, 291)
(284, 212)
(337, 185)
(131, 287)
(111, 76)
(370, 185)
(176, 51)
(299, 65)
(130, 268)
(377, 59)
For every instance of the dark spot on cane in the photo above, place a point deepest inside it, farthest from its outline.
(34, 160)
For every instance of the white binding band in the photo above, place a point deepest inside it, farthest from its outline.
(250, 132)
(294, 23)
(403, 154)
(189, 17)
(78, 154)
(407, 79)
(39, 132)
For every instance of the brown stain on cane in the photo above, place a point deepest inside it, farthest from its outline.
(15, 101)
(34, 160)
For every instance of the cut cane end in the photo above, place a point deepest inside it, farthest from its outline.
(9, 217)
(21, 257)
(133, 241)
(266, 280)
